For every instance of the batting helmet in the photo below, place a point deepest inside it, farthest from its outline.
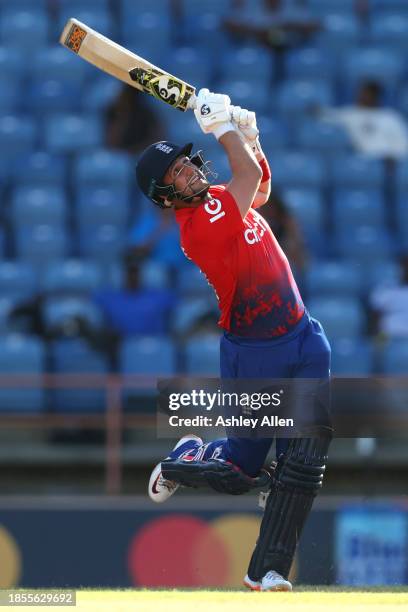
(153, 165)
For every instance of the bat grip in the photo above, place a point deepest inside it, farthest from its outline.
(192, 105)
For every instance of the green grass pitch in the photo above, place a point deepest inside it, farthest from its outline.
(308, 600)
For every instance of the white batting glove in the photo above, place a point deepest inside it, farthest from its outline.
(213, 113)
(245, 124)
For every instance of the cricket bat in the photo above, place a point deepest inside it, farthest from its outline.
(127, 66)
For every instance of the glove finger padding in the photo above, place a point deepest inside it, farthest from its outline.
(221, 476)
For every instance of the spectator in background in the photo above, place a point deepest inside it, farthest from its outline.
(286, 230)
(390, 306)
(131, 123)
(374, 131)
(133, 309)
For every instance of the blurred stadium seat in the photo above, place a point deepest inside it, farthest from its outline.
(102, 242)
(333, 278)
(295, 169)
(58, 310)
(55, 63)
(25, 356)
(53, 96)
(352, 357)
(71, 276)
(73, 357)
(383, 65)
(101, 93)
(190, 311)
(13, 63)
(96, 17)
(357, 171)
(319, 135)
(365, 244)
(17, 279)
(10, 94)
(310, 63)
(353, 207)
(299, 96)
(395, 357)
(101, 167)
(191, 281)
(322, 7)
(7, 304)
(340, 31)
(390, 30)
(254, 63)
(339, 316)
(183, 63)
(307, 208)
(103, 206)
(154, 275)
(73, 132)
(202, 355)
(241, 92)
(18, 134)
(148, 356)
(38, 205)
(24, 29)
(42, 243)
(39, 168)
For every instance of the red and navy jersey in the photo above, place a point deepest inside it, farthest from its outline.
(243, 261)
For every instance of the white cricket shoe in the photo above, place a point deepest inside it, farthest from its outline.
(272, 581)
(254, 585)
(161, 489)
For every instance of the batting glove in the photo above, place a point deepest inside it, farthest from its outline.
(213, 113)
(245, 124)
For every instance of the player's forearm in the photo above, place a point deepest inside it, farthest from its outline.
(240, 156)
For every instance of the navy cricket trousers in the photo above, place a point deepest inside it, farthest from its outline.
(302, 353)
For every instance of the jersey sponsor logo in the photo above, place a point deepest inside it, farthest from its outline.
(214, 208)
(254, 233)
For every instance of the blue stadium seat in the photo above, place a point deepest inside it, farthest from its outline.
(356, 171)
(103, 243)
(294, 169)
(307, 207)
(384, 272)
(95, 17)
(333, 278)
(71, 133)
(104, 206)
(18, 134)
(60, 309)
(75, 5)
(77, 357)
(202, 355)
(310, 63)
(321, 135)
(402, 210)
(401, 175)
(25, 356)
(242, 94)
(41, 243)
(148, 356)
(353, 207)
(13, 63)
(38, 205)
(71, 276)
(391, 5)
(10, 94)
(351, 357)
(300, 96)
(53, 96)
(55, 63)
(7, 303)
(339, 31)
(17, 279)
(339, 316)
(193, 7)
(146, 32)
(24, 29)
(275, 133)
(39, 168)
(190, 311)
(383, 65)
(395, 357)
(253, 64)
(154, 275)
(101, 93)
(365, 244)
(322, 7)
(183, 63)
(191, 281)
(390, 29)
(101, 168)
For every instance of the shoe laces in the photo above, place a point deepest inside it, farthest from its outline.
(272, 575)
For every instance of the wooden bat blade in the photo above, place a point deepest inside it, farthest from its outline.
(126, 66)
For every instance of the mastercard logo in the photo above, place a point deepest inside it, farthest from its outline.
(183, 550)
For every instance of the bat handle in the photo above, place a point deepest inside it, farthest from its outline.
(192, 104)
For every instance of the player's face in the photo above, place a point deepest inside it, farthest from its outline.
(187, 178)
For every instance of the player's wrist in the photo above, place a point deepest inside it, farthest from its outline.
(222, 129)
(266, 171)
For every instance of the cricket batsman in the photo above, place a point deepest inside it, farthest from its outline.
(268, 333)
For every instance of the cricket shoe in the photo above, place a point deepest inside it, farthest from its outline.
(272, 581)
(161, 489)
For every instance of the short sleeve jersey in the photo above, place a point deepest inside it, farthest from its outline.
(241, 258)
